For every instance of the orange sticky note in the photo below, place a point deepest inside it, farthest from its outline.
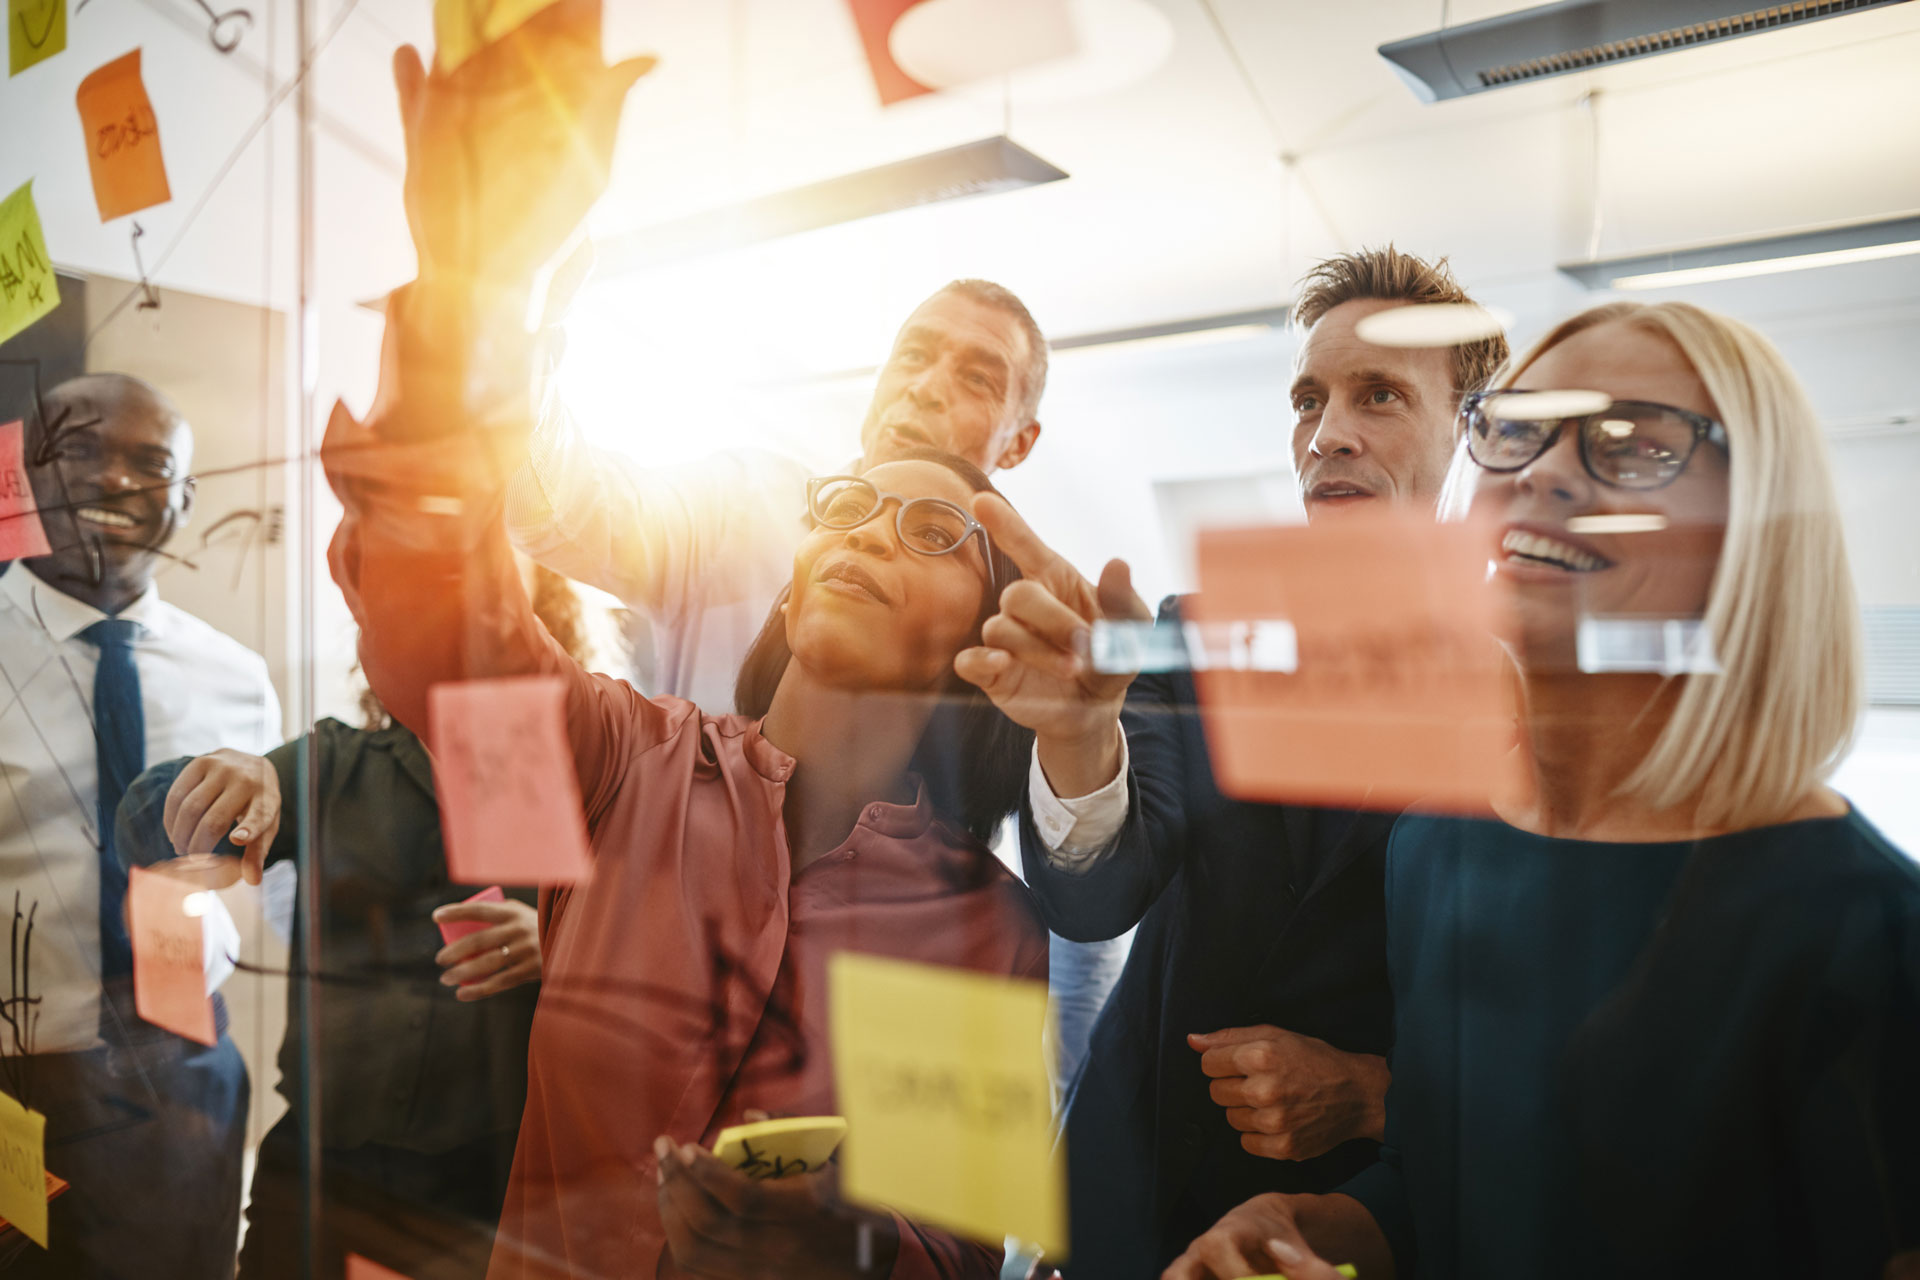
(1395, 696)
(123, 139)
(509, 800)
(21, 535)
(169, 964)
(359, 1268)
(24, 1185)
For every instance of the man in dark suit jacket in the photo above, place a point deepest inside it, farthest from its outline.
(1243, 1050)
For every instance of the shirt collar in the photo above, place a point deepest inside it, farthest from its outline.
(901, 821)
(64, 617)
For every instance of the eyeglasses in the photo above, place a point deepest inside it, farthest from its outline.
(1628, 444)
(927, 526)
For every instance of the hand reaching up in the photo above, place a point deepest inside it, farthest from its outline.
(1033, 656)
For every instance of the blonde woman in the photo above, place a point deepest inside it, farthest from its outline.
(1661, 1014)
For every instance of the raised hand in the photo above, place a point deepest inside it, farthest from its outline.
(1032, 659)
(508, 152)
(222, 795)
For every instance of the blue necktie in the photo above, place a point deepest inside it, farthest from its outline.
(120, 747)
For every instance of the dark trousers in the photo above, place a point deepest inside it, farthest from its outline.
(430, 1217)
(150, 1135)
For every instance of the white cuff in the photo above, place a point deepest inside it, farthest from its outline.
(1077, 833)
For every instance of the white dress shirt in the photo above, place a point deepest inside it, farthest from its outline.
(200, 690)
(1077, 832)
(698, 552)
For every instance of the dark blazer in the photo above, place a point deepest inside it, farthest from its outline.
(1248, 914)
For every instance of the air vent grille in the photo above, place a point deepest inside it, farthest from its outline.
(1893, 655)
(1780, 15)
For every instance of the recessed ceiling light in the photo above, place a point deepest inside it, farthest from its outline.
(1438, 324)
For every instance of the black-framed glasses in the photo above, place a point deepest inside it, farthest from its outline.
(927, 526)
(1628, 444)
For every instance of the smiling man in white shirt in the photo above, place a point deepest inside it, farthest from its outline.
(100, 675)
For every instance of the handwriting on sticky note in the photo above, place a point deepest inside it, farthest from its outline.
(1395, 696)
(461, 28)
(123, 139)
(24, 1186)
(169, 962)
(509, 800)
(36, 30)
(359, 1268)
(28, 289)
(21, 534)
(784, 1148)
(942, 1081)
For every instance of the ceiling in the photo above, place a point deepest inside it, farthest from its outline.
(1179, 204)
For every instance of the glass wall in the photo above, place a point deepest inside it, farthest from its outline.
(1095, 638)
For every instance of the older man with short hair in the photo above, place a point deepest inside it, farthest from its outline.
(1243, 1050)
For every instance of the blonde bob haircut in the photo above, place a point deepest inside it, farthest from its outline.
(1746, 745)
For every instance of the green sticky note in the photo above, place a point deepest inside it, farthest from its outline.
(36, 30)
(28, 289)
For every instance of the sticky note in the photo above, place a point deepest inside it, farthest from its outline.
(359, 1268)
(27, 287)
(451, 931)
(461, 28)
(943, 1084)
(21, 534)
(169, 964)
(781, 1148)
(36, 30)
(509, 800)
(123, 139)
(1396, 695)
(24, 1188)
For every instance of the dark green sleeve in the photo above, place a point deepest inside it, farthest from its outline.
(1857, 1131)
(140, 832)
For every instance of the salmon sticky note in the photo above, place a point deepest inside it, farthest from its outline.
(359, 1268)
(24, 1185)
(27, 287)
(1396, 694)
(462, 28)
(451, 931)
(509, 801)
(169, 963)
(123, 139)
(36, 30)
(21, 534)
(942, 1081)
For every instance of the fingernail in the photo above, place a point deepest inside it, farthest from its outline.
(446, 980)
(1284, 1251)
(241, 835)
(437, 911)
(662, 1148)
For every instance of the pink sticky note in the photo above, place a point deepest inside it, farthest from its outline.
(359, 1268)
(1395, 696)
(509, 800)
(169, 969)
(21, 536)
(451, 931)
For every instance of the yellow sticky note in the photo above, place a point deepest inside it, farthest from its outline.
(943, 1083)
(36, 30)
(27, 287)
(23, 1169)
(461, 28)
